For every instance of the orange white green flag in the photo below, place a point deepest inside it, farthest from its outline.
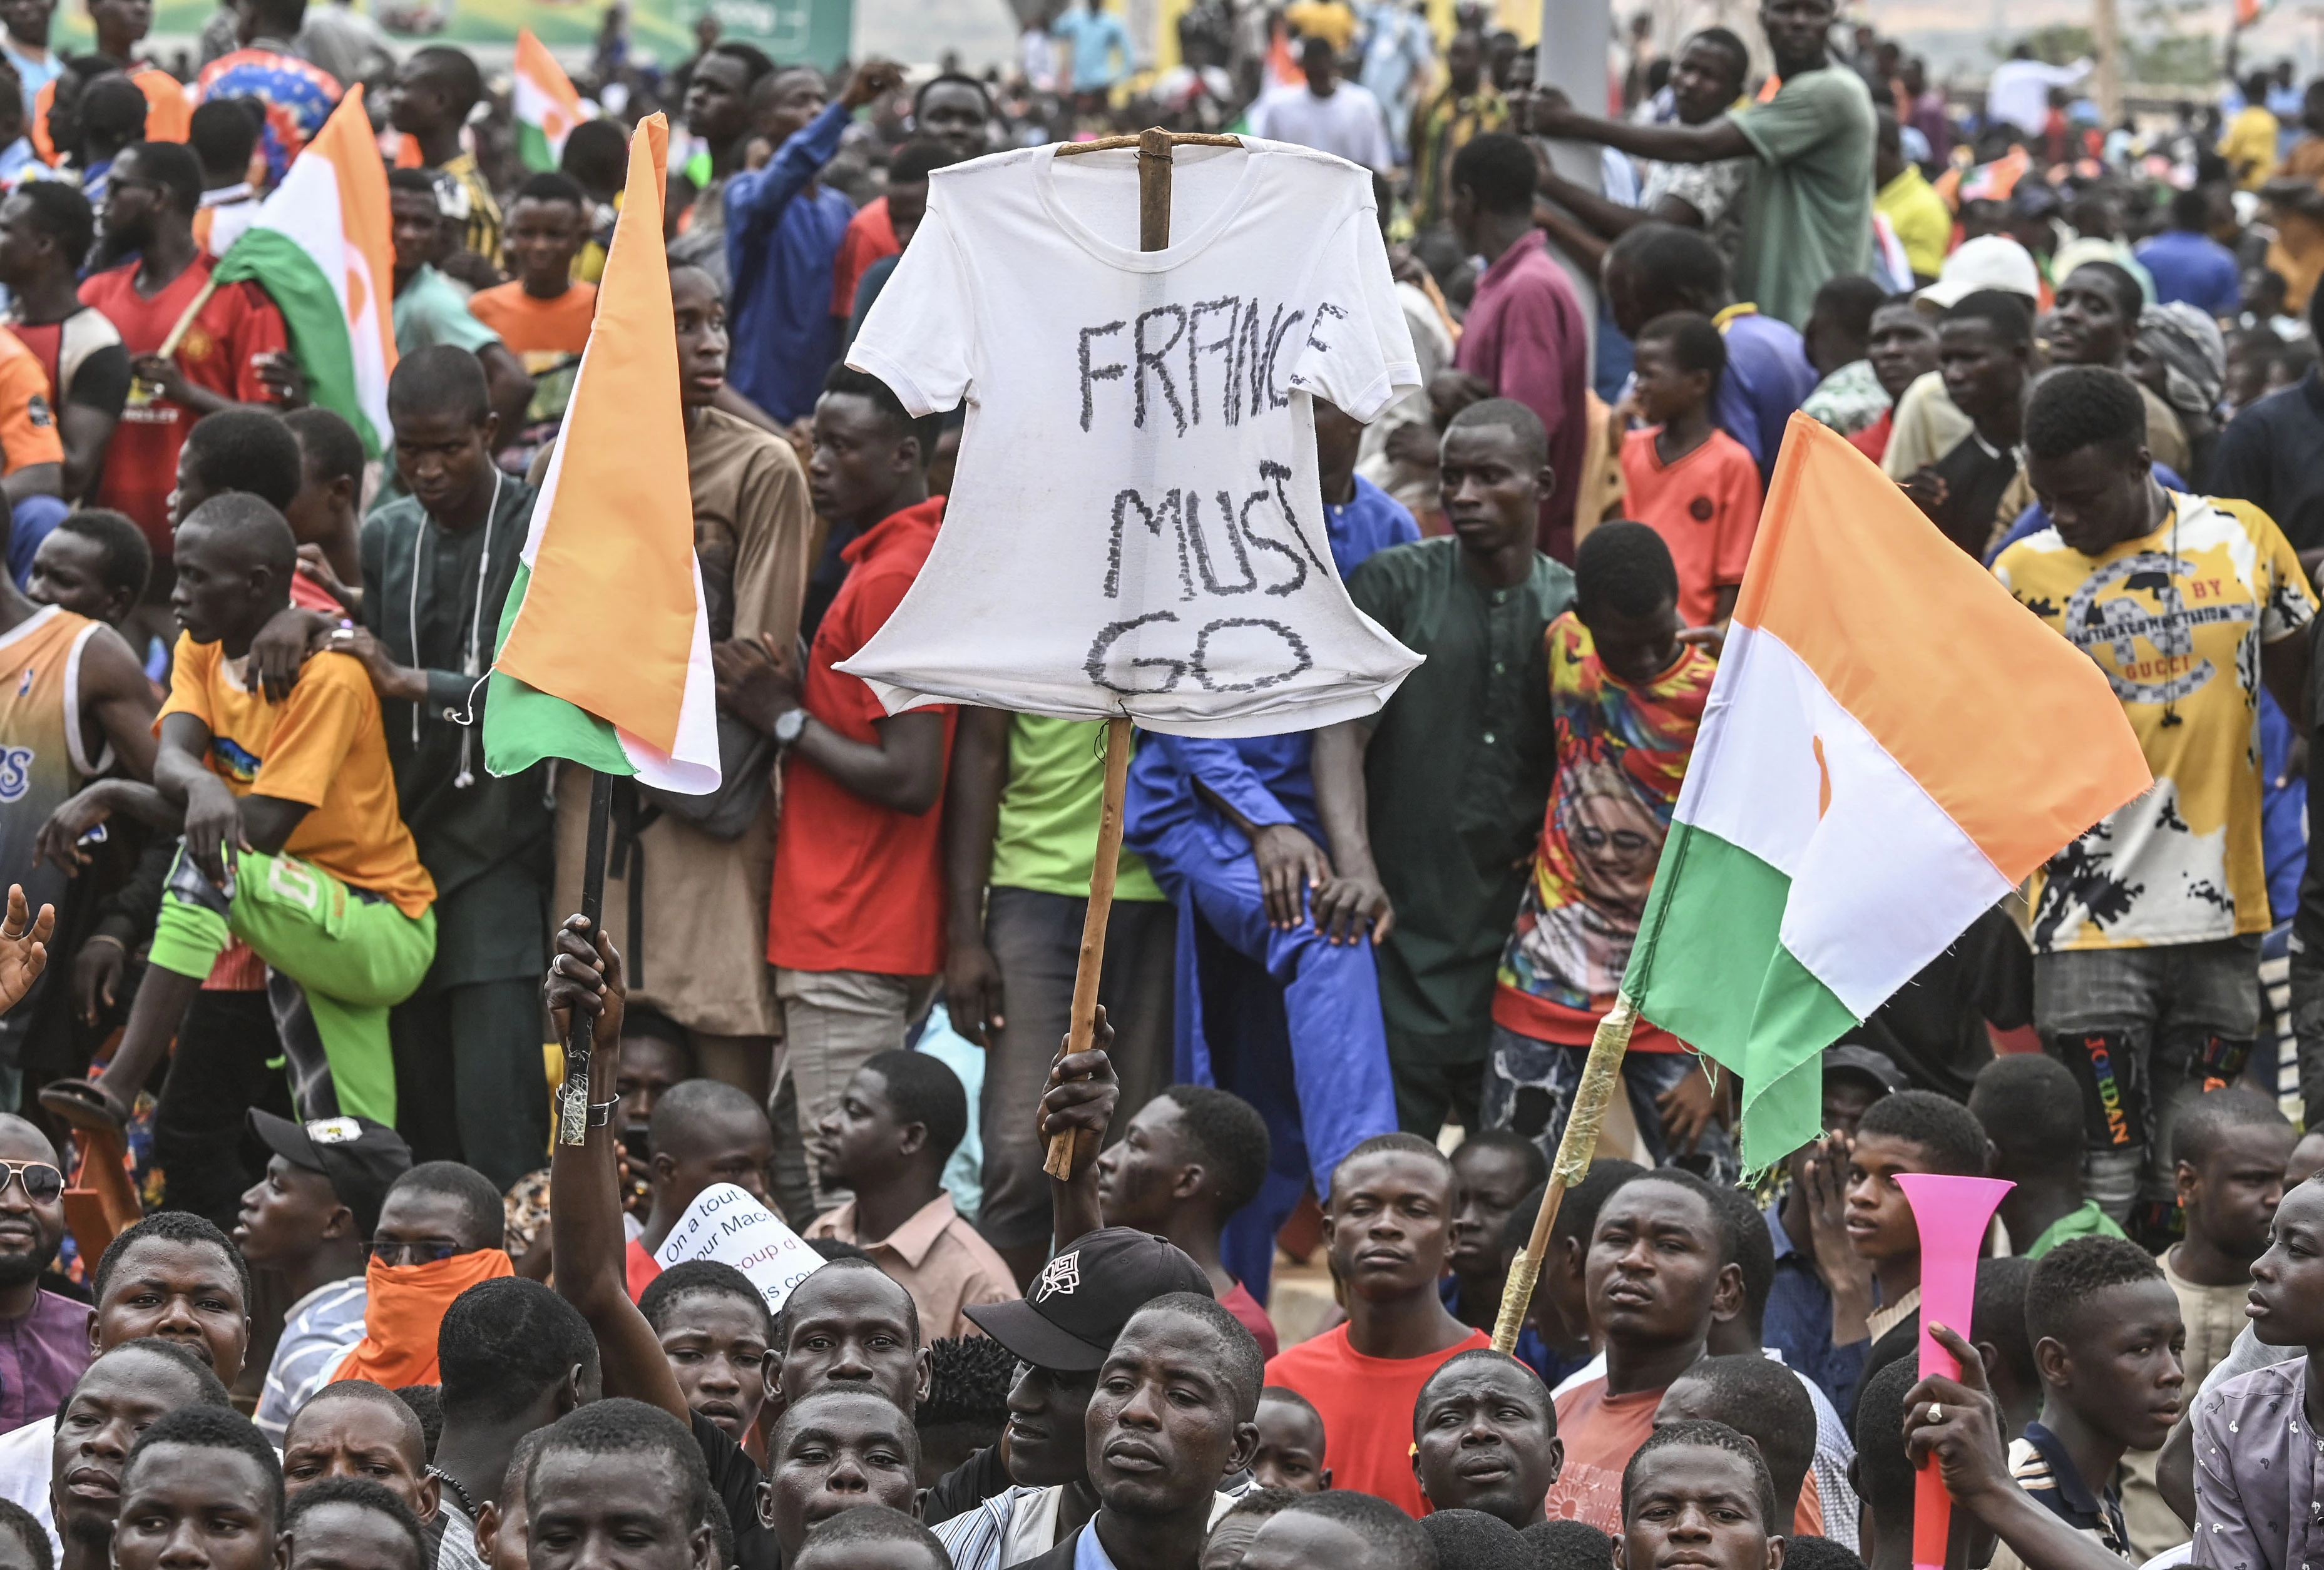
(1891, 745)
(322, 248)
(546, 105)
(605, 644)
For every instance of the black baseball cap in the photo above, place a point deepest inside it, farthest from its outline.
(1083, 1298)
(361, 1159)
(1876, 1066)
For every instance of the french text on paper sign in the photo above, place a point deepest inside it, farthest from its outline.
(726, 1225)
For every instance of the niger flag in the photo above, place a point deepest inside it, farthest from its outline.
(604, 646)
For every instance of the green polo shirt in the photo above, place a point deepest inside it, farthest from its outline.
(1457, 776)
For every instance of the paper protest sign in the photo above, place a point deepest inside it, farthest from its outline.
(726, 1225)
(1136, 523)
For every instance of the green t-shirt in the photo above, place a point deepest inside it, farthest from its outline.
(1808, 217)
(1047, 835)
(2090, 1221)
(430, 310)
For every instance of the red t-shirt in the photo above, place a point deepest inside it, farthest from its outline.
(1245, 1308)
(1706, 508)
(1366, 1405)
(1872, 441)
(217, 352)
(1602, 1432)
(859, 886)
(870, 236)
(638, 1268)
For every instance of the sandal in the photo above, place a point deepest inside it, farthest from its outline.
(87, 1105)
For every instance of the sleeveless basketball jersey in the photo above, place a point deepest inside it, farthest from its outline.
(42, 755)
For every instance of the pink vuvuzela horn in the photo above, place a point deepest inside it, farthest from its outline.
(1953, 1214)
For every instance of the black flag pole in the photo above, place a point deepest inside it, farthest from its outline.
(573, 1104)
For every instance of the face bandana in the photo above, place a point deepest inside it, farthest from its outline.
(405, 1308)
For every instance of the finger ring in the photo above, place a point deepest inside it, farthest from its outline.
(1936, 1413)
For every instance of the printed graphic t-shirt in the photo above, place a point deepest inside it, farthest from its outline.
(1622, 752)
(2176, 618)
(1169, 553)
(321, 746)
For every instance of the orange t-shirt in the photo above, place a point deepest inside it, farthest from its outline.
(539, 331)
(1366, 1405)
(1602, 1432)
(322, 747)
(1706, 508)
(28, 426)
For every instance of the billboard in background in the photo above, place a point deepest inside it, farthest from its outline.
(818, 32)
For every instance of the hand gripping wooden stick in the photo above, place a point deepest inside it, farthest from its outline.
(1600, 1076)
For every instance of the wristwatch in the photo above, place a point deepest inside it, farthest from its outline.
(789, 725)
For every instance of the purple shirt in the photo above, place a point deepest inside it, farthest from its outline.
(41, 1356)
(1525, 336)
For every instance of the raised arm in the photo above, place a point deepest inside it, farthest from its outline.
(1554, 116)
(585, 1201)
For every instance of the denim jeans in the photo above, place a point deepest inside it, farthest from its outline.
(1529, 1087)
(2142, 1028)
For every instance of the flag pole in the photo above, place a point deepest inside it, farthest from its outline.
(573, 1100)
(1599, 1076)
(1154, 147)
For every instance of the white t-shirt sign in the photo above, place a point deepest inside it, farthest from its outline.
(1136, 525)
(726, 1225)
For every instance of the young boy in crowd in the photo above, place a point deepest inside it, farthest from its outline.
(93, 563)
(2247, 1454)
(1690, 482)
(2030, 1110)
(202, 1478)
(701, 1133)
(1292, 1445)
(1555, 1341)
(320, 797)
(1689, 1473)
(1387, 1224)
(839, 1448)
(1626, 696)
(125, 1390)
(1660, 1271)
(311, 1219)
(323, 514)
(2228, 1151)
(355, 1429)
(1809, 1228)
(1884, 1477)
(656, 1491)
(2107, 1335)
(887, 1141)
(714, 1328)
(1493, 1171)
(1188, 1160)
(1484, 1437)
(1912, 1131)
(1765, 1401)
(543, 314)
(503, 1525)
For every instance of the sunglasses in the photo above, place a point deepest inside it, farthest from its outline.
(42, 1182)
(394, 1254)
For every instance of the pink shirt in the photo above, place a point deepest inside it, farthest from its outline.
(936, 1257)
(1526, 335)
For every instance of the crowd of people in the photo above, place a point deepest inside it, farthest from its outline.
(281, 946)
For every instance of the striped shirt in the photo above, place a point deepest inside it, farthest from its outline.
(2041, 1467)
(316, 1335)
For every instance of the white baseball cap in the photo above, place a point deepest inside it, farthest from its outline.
(1987, 261)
